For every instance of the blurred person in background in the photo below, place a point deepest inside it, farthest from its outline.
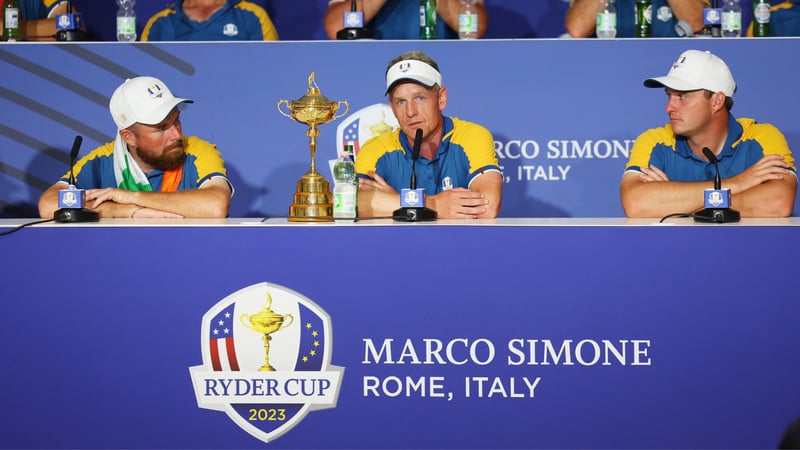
(211, 20)
(39, 19)
(399, 19)
(581, 18)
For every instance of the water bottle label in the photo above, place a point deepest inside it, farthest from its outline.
(606, 21)
(762, 13)
(126, 25)
(732, 21)
(11, 18)
(344, 204)
(468, 23)
(427, 15)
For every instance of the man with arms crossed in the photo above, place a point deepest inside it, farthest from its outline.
(667, 171)
(457, 165)
(151, 169)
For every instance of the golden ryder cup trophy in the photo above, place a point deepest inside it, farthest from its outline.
(313, 201)
(266, 322)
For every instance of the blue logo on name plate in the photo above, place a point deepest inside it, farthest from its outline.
(266, 360)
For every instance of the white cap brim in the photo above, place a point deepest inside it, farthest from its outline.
(412, 70)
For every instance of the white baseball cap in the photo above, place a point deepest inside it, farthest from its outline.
(144, 100)
(412, 70)
(694, 70)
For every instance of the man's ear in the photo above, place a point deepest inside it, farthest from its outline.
(128, 136)
(718, 101)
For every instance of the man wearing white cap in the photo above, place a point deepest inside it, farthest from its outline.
(668, 172)
(457, 165)
(151, 169)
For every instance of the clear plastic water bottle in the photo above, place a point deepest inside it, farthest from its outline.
(607, 20)
(731, 18)
(126, 21)
(345, 188)
(467, 20)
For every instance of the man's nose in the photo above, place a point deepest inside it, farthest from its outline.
(175, 131)
(670, 107)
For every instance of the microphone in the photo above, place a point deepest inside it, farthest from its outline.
(72, 201)
(717, 201)
(712, 20)
(69, 20)
(412, 201)
(69, 26)
(353, 25)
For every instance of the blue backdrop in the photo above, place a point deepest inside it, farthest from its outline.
(98, 342)
(564, 113)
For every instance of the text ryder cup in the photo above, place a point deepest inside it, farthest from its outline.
(260, 388)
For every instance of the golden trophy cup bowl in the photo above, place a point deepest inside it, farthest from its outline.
(266, 322)
(313, 200)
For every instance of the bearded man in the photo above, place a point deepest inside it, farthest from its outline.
(151, 169)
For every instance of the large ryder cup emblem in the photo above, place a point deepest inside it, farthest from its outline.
(266, 360)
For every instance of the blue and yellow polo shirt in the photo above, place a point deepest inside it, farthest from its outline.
(466, 151)
(203, 161)
(747, 142)
(238, 20)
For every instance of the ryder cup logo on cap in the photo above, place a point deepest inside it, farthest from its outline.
(694, 70)
(144, 100)
(266, 360)
(412, 70)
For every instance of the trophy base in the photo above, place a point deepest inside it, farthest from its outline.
(266, 368)
(313, 200)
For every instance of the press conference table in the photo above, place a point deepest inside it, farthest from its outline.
(102, 322)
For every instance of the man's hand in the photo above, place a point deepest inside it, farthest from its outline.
(109, 195)
(377, 183)
(770, 167)
(653, 173)
(458, 203)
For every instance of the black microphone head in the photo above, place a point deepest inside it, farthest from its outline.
(710, 155)
(417, 144)
(713, 159)
(76, 146)
(73, 155)
(353, 6)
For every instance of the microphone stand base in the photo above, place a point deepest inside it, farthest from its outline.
(721, 215)
(67, 215)
(414, 215)
(350, 34)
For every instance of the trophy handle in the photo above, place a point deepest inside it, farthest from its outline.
(291, 319)
(286, 102)
(346, 109)
(245, 319)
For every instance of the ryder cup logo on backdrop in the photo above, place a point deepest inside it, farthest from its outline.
(365, 124)
(266, 360)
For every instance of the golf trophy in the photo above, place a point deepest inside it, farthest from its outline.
(313, 200)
